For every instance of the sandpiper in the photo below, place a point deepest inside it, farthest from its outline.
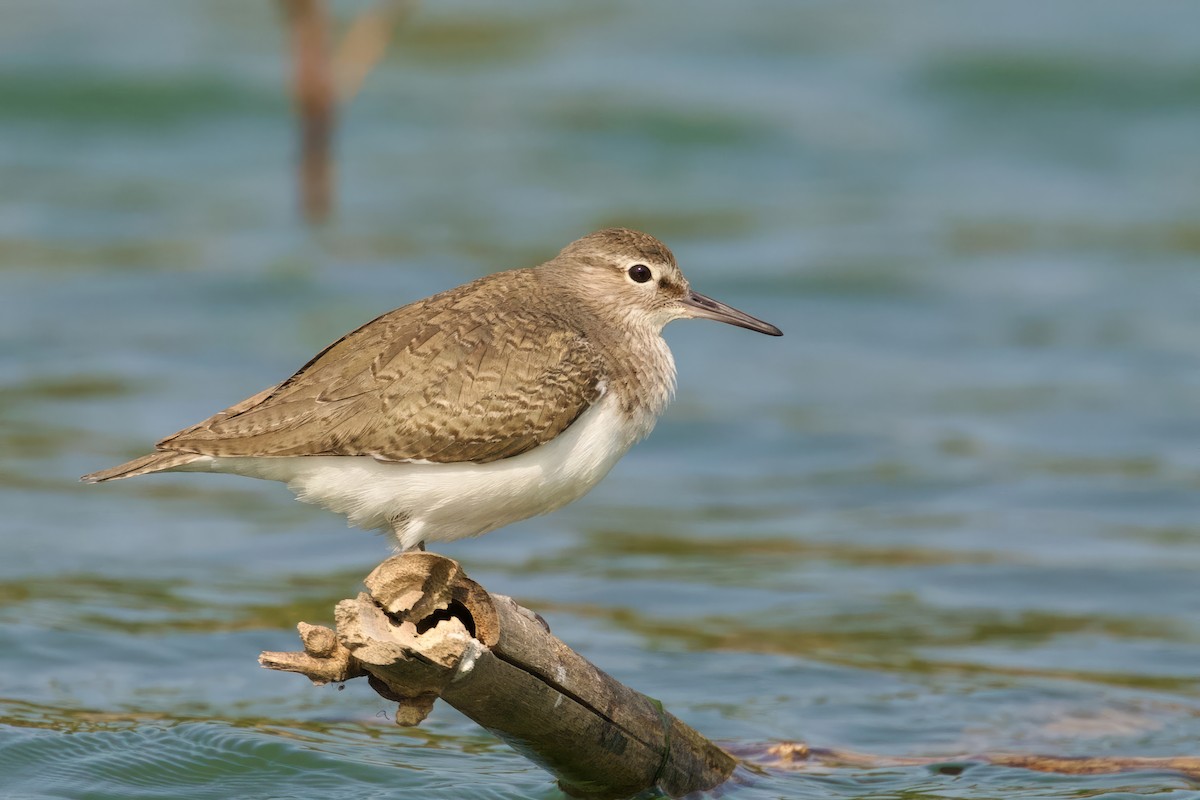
(505, 398)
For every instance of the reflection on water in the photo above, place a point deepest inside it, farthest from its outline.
(953, 510)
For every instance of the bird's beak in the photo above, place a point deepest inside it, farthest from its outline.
(702, 307)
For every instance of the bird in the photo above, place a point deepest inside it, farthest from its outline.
(501, 399)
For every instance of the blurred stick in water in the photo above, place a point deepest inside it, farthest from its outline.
(798, 756)
(321, 82)
(425, 630)
(312, 94)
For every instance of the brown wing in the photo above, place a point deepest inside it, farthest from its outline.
(479, 373)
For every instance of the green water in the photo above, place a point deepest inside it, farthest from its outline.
(954, 510)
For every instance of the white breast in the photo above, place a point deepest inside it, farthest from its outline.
(441, 502)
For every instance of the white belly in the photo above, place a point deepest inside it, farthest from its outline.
(427, 502)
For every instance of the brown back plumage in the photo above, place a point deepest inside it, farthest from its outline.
(460, 376)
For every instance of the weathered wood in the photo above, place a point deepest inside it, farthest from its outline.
(425, 630)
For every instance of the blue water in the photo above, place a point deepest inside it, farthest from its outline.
(954, 510)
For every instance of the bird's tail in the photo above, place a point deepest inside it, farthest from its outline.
(154, 462)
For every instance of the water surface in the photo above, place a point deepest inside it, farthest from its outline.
(954, 510)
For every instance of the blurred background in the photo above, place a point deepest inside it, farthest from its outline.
(953, 510)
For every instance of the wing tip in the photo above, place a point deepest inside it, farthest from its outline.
(152, 462)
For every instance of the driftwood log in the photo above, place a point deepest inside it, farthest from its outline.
(424, 630)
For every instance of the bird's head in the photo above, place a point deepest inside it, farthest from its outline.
(635, 276)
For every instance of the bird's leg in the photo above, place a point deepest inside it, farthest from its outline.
(400, 524)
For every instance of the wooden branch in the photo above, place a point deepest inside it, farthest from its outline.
(424, 630)
(324, 659)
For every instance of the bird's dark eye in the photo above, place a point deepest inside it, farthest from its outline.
(640, 273)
